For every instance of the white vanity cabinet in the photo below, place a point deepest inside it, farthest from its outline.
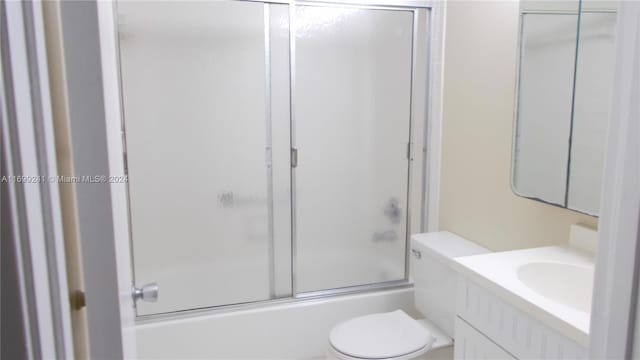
(489, 328)
(471, 344)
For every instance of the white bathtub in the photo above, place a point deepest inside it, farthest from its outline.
(293, 330)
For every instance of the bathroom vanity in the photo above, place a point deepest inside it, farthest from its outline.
(524, 304)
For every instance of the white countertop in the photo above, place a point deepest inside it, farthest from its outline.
(497, 272)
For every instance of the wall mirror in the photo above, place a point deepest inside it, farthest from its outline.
(565, 77)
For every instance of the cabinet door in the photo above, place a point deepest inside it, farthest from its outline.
(472, 344)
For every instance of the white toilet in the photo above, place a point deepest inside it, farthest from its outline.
(395, 335)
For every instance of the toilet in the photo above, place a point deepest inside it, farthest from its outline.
(395, 335)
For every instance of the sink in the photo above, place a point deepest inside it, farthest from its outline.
(566, 284)
(552, 284)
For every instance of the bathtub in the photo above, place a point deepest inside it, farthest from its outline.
(296, 329)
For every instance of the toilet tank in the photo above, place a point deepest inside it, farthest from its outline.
(435, 281)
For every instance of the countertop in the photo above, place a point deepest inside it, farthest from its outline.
(497, 272)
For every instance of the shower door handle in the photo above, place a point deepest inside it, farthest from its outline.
(148, 292)
(294, 157)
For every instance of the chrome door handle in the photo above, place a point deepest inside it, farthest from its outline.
(148, 292)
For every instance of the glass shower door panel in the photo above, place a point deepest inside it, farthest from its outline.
(193, 78)
(352, 99)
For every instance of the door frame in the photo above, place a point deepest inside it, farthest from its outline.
(117, 167)
(34, 217)
(615, 318)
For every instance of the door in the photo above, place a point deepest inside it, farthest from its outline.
(254, 129)
(269, 199)
(352, 116)
(203, 152)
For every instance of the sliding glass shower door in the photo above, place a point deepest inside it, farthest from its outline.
(197, 106)
(267, 147)
(352, 101)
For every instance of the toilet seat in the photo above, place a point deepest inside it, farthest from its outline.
(381, 336)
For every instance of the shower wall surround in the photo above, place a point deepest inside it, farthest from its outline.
(273, 151)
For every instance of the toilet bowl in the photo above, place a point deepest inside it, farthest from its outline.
(395, 335)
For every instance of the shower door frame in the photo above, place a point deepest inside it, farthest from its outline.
(423, 148)
(414, 129)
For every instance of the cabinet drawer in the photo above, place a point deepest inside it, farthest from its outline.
(471, 344)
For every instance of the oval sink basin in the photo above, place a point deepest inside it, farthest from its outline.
(566, 284)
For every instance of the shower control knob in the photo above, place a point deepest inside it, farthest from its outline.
(148, 292)
(417, 254)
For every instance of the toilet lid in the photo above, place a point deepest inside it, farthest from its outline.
(380, 336)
